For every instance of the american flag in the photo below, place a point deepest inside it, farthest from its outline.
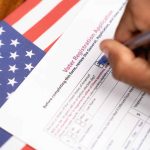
(18, 56)
(25, 36)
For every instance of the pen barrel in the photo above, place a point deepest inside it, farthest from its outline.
(141, 40)
(140, 45)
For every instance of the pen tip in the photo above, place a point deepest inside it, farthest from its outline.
(103, 60)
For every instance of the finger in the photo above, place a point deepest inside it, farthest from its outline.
(125, 66)
(126, 26)
(118, 56)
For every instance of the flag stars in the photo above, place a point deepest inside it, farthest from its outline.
(14, 42)
(1, 43)
(1, 30)
(29, 54)
(17, 60)
(29, 66)
(13, 55)
(12, 82)
(12, 68)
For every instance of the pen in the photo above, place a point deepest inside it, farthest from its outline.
(140, 45)
(140, 40)
(103, 60)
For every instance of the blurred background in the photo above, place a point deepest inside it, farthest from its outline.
(7, 6)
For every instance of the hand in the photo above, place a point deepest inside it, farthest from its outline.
(136, 19)
(126, 67)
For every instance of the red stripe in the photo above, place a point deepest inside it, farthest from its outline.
(27, 147)
(49, 47)
(21, 11)
(51, 18)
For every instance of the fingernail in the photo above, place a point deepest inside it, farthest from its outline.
(105, 51)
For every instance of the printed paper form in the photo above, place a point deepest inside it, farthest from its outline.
(71, 102)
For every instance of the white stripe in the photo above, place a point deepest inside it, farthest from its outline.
(59, 27)
(13, 144)
(35, 15)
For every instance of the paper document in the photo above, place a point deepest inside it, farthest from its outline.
(71, 101)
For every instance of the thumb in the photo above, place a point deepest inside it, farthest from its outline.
(119, 57)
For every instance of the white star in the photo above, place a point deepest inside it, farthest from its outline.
(29, 66)
(12, 68)
(1, 30)
(1, 56)
(29, 53)
(9, 95)
(14, 42)
(12, 82)
(13, 55)
(1, 43)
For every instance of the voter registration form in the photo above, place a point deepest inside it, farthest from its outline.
(70, 101)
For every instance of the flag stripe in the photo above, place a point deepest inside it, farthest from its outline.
(51, 34)
(21, 11)
(27, 147)
(49, 19)
(35, 15)
(49, 47)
